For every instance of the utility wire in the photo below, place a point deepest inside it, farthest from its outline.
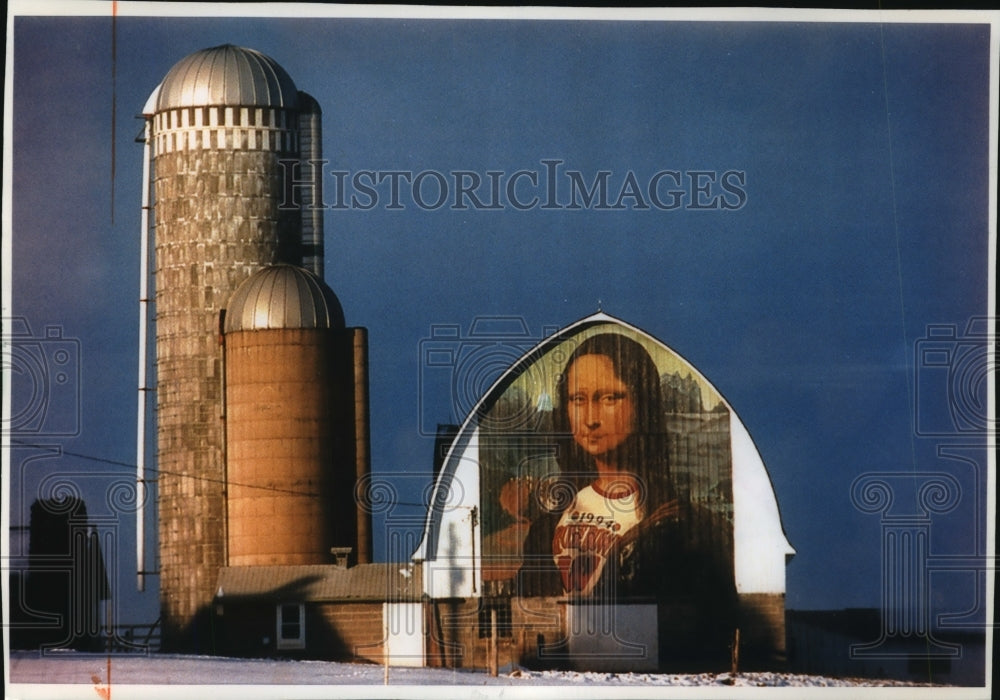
(207, 479)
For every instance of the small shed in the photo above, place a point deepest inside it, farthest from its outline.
(359, 613)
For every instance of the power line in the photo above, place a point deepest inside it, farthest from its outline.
(166, 472)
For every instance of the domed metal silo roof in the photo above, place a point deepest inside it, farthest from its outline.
(227, 75)
(283, 296)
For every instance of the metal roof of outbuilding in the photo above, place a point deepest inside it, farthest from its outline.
(283, 296)
(227, 75)
(320, 583)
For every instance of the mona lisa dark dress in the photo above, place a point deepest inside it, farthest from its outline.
(681, 561)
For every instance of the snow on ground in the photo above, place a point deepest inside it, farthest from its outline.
(72, 674)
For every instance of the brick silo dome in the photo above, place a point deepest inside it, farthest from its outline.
(282, 297)
(227, 75)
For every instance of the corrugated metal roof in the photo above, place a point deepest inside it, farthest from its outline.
(227, 75)
(321, 583)
(283, 296)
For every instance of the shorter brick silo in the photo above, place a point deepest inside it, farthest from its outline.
(296, 413)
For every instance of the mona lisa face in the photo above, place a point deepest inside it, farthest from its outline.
(601, 408)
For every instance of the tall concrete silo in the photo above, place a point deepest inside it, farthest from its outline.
(221, 131)
(296, 408)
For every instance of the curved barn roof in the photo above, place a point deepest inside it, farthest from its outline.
(452, 530)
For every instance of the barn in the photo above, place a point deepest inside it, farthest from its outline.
(715, 580)
(686, 569)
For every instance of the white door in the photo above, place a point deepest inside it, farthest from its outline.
(404, 626)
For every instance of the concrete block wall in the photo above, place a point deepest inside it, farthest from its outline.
(217, 220)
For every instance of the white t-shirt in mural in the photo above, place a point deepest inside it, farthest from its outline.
(587, 532)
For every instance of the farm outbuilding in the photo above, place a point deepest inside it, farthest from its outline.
(506, 471)
(602, 506)
(356, 613)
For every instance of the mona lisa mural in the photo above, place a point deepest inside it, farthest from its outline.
(603, 469)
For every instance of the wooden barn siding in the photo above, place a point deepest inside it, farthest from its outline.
(350, 631)
(453, 632)
(334, 631)
(537, 620)
(354, 632)
(242, 629)
(762, 631)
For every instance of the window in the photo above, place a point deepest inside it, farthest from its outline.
(503, 618)
(291, 626)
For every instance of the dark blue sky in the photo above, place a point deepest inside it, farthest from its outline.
(863, 152)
